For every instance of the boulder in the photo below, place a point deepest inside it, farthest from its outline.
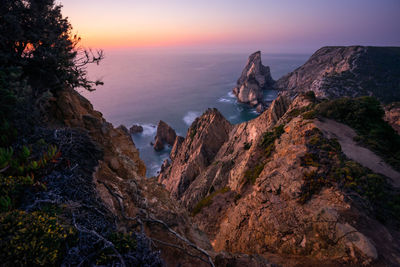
(165, 135)
(136, 129)
(254, 79)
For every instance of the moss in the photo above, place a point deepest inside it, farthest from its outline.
(310, 159)
(268, 139)
(251, 175)
(207, 201)
(32, 239)
(309, 115)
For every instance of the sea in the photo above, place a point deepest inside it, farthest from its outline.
(144, 87)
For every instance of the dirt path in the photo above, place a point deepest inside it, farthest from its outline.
(352, 150)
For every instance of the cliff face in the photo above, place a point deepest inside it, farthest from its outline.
(347, 71)
(254, 194)
(120, 183)
(254, 79)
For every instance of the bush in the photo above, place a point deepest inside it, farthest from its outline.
(268, 139)
(365, 116)
(124, 243)
(251, 175)
(207, 201)
(32, 239)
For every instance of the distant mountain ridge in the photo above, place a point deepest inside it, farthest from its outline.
(337, 71)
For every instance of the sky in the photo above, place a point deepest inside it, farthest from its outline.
(275, 26)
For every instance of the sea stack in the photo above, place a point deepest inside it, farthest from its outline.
(165, 135)
(254, 79)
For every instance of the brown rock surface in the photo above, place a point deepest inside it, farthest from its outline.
(266, 216)
(121, 184)
(165, 135)
(254, 79)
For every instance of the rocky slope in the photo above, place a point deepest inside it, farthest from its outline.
(348, 71)
(254, 79)
(272, 186)
(121, 184)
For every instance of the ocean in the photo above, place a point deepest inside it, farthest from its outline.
(143, 87)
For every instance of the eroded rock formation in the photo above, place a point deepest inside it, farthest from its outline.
(250, 194)
(254, 79)
(165, 135)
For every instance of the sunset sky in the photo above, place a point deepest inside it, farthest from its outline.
(275, 26)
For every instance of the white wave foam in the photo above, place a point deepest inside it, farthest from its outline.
(225, 100)
(190, 117)
(231, 94)
(149, 129)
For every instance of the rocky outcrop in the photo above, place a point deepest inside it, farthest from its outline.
(136, 129)
(132, 199)
(347, 71)
(203, 140)
(392, 115)
(165, 135)
(247, 194)
(254, 79)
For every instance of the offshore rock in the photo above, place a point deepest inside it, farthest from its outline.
(165, 135)
(136, 129)
(254, 79)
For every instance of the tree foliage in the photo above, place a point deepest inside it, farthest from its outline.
(36, 37)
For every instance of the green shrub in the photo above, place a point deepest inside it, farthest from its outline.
(32, 239)
(251, 175)
(124, 243)
(365, 116)
(207, 201)
(12, 189)
(310, 95)
(268, 139)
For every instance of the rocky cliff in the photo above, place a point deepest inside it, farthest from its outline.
(274, 186)
(135, 201)
(347, 71)
(254, 79)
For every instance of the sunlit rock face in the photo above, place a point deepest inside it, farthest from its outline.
(254, 79)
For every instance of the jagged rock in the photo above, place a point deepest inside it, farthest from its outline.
(347, 71)
(123, 128)
(254, 79)
(265, 216)
(136, 129)
(121, 172)
(203, 140)
(165, 165)
(260, 108)
(165, 135)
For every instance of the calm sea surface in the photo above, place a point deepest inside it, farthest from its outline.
(143, 88)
